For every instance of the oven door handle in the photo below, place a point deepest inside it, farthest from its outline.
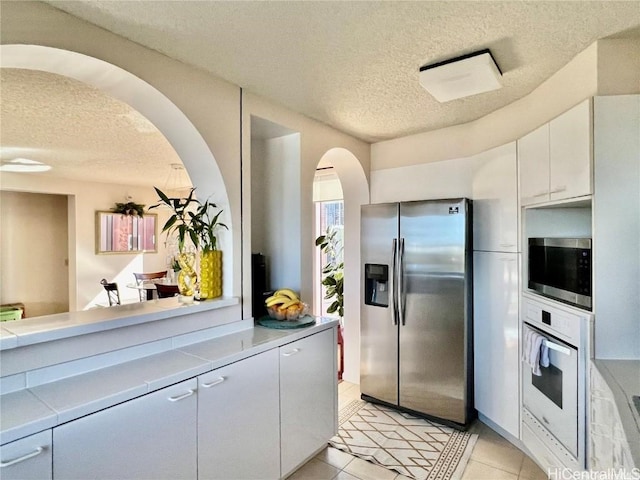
(557, 348)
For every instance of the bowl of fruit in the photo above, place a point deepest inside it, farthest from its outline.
(285, 304)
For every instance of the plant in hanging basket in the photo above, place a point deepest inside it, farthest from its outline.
(130, 208)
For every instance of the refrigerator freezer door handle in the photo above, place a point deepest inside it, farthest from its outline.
(394, 279)
(400, 288)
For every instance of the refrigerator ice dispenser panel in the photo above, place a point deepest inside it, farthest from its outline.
(376, 285)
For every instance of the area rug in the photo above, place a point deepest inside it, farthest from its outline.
(412, 446)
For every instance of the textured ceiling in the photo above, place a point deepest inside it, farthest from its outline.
(352, 65)
(78, 130)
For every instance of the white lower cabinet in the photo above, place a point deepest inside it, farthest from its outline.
(153, 436)
(308, 397)
(258, 418)
(496, 338)
(27, 458)
(239, 420)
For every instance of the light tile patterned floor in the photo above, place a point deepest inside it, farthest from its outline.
(493, 457)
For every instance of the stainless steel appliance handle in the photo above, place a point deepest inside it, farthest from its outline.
(394, 279)
(401, 292)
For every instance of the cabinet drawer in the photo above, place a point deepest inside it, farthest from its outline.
(27, 458)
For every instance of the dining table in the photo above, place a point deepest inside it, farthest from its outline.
(150, 286)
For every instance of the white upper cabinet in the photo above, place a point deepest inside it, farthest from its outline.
(533, 157)
(556, 159)
(570, 149)
(495, 200)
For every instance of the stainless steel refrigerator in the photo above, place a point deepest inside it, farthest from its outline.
(416, 309)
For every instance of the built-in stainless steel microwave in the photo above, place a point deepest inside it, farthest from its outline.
(560, 268)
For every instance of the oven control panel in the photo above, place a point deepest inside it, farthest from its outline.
(562, 324)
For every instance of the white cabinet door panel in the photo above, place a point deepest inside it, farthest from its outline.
(533, 160)
(495, 200)
(153, 436)
(570, 153)
(27, 458)
(496, 338)
(239, 420)
(308, 393)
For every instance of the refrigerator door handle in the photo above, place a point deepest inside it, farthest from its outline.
(394, 279)
(400, 289)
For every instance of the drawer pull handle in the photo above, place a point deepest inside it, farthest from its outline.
(35, 453)
(559, 189)
(541, 194)
(181, 397)
(292, 352)
(214, 383)
(507, 245)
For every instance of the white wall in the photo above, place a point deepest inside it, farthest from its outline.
(315, 140)
(355, 193)
(276, 208)
(606, 67)
(443, 179)
(86, 268)
(616, 223)
(213, 108)
(33, 252)
(192, 94)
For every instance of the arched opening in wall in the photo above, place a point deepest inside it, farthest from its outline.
(329, 229)
(147, 110)
(341, 187)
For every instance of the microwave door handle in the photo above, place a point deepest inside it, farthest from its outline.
(557, 348)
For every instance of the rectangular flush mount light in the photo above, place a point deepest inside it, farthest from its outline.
(461, 76)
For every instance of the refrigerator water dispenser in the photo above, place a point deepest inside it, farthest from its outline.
(376, 285)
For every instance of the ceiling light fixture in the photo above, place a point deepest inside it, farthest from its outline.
(177, 183)
(24, 165)
(462, 76)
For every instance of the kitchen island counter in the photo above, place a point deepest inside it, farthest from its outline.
(83, 388)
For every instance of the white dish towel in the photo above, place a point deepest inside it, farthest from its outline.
(534, 351)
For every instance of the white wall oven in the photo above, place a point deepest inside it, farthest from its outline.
(554, 401)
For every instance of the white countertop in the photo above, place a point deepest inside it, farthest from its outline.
(623, 378)
(34, 330)
(32, 410)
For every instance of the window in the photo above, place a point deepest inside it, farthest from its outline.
(327, 195)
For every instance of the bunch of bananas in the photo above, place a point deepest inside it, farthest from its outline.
(285, 304)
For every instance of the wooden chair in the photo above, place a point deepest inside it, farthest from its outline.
(165, 291)
(141, 278)
(112, 292)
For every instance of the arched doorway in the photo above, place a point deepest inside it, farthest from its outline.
(355, 189)
(153, 105)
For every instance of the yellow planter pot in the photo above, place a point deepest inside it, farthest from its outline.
(210, 274)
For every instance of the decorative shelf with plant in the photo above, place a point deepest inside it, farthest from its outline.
(130, 208)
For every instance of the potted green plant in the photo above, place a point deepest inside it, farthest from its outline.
(333, 271)
(197, 222)
(333, 279)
